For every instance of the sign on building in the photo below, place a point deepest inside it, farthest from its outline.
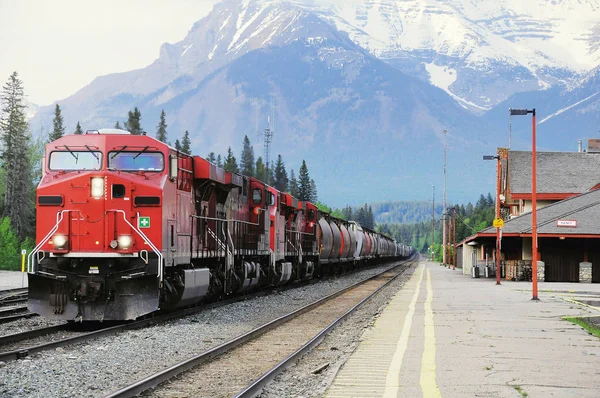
(566, 223)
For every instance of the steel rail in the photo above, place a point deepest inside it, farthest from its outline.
(12, 300)
(107, 329)
(9, 292)
(256, 387)
(179, 368)
(12, 310)
(12, 338)
(10, 318)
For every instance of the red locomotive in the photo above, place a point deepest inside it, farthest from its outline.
(127, 225)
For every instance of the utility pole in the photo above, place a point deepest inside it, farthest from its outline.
(454, 231)
(444, 215)
(432, 222)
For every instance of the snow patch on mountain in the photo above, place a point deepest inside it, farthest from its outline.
(567, 108)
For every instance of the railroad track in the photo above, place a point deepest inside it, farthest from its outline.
(11, 350)
(262, 353)
(12, 305)
(13, 296)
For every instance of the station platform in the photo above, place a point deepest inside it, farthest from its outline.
(445, 334)
(12, 280)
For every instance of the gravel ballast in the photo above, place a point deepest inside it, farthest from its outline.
(97, 367)
(314, 372)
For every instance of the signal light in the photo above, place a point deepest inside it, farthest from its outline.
(311, 224)
(256, 210)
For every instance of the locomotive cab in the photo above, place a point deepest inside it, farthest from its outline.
(99, 216)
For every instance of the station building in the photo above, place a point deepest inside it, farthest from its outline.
(568, 218)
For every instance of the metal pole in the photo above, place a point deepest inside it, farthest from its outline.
(454, 232)
(433, 223)
(534, 243)
(444, 216)
(509, 130)
(498, 216)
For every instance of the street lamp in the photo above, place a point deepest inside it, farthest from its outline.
(445, 214)
(497, 158)
(534, 251)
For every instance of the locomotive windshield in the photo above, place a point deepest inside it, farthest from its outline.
(75, 160)
(136, 161)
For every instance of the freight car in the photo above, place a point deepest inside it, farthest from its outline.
(127, 225)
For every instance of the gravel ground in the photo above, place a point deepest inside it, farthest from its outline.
(25, 324)
(95, 368)
(315, 371)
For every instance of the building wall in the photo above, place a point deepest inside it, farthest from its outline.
(467, 258)
(540, 204)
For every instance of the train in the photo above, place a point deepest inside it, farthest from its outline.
(127, 225)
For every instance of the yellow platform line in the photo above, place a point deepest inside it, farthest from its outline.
(392, 383)
(428, 376)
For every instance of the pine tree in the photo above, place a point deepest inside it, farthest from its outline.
(58, 130)
(78, 129)
(304, 183)
(260, 169)
(18, 201)
(161, 129)
(293, 185)
(313, 191)
(272, 174)
(177, 145)
(133, 123)
(247, 158)
(118, 126)
(230, 162)
(211, 158)
(185, 144)
(370, 219)
(219, 161)
(347, 212)
(280, 180)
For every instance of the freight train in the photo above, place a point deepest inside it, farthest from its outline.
(127, 225)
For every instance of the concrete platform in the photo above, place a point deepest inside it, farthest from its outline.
(12, 279)
(448, 335)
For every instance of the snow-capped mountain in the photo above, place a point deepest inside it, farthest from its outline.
(354, 118)
(479, 51)
(375, 82)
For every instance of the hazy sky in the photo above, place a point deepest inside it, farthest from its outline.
(59, 46)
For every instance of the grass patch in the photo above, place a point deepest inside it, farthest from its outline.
(520, 391)
(592, 328)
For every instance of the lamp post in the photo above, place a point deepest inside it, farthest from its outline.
(497, 158)
(445, 214)
(534, 246)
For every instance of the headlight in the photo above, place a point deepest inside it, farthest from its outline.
(124, 241)
(97, 187)
(60, 241)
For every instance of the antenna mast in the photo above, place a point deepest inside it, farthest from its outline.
(268, 139)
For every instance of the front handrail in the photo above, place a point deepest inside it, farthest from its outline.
(59, 218)
(225, 220)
